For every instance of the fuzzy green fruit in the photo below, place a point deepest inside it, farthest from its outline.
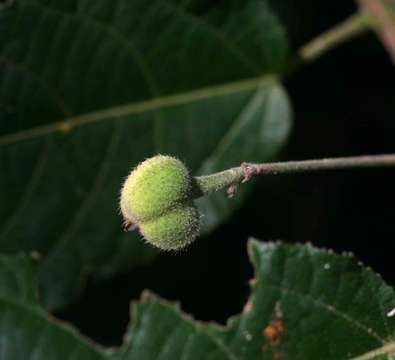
(173, 230)
(156, 197)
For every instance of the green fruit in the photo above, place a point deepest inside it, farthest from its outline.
(156, 198)
(154, 186)
(173, 230)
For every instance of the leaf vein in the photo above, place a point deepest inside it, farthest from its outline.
(99, 180)
(198, 21)
(355, 323)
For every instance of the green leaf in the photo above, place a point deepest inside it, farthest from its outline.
(306, 304)
(26, 332)
(324, 306)
(89, 89)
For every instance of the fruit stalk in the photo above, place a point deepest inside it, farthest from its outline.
(234, 176)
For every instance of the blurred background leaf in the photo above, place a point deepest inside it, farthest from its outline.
(90, 88)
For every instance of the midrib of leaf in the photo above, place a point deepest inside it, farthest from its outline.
(135, 55)
(387, 349)
(114, 112)
(70, 122)
(127, 44)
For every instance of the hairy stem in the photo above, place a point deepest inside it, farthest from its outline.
(234, 176)
(355, 25)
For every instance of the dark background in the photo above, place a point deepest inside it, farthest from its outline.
(344, 104)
